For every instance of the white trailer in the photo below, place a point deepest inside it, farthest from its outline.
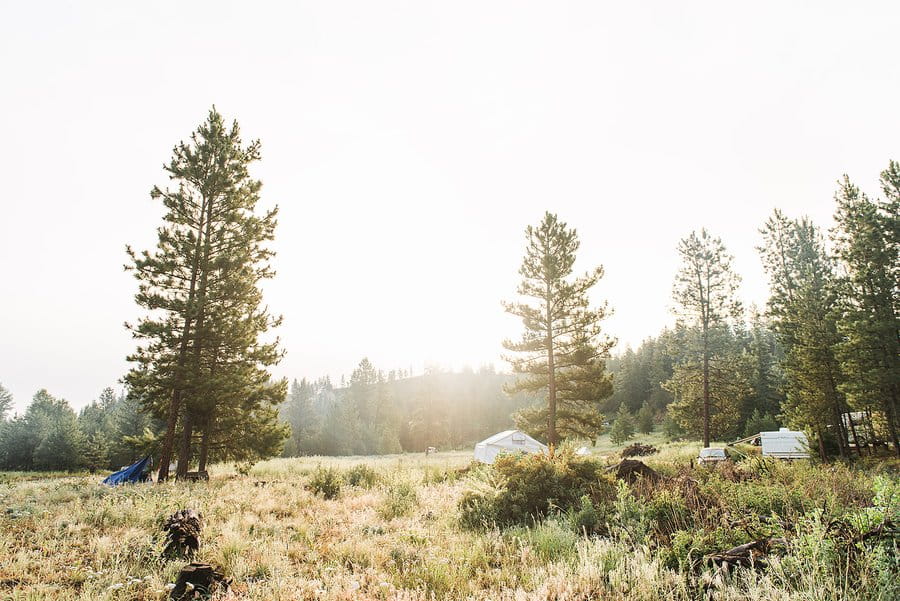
(784, 444)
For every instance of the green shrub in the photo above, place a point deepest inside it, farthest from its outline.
(361, 475)
(586, 518)
(399, 500)
(669, 512)
(523, 489)
(325, 481)
(631, 519)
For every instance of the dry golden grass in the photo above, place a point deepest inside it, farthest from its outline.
(71, 538)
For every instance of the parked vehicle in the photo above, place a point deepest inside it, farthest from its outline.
(711, 456)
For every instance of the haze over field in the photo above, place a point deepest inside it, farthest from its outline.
(408, 144)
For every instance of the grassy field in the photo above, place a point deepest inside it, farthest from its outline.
(396, 533)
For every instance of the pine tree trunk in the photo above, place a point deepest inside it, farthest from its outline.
(205, 440)
(892, 421)
(551, 377)
(165, 454)
(839, 430)
(705, 385)
(870, 429)
(822, 454)
(184, 448)
(853, 431)
(184, 456)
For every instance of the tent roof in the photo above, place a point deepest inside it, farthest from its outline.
(501, 436)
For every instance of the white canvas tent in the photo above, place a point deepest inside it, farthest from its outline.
(510, 441)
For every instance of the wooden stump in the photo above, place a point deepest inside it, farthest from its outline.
(198, 581)
(182, 534)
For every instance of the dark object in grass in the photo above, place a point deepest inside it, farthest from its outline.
(182, 530)
(639, 450)
(746, 555)
(198, 581)
(630, 469)
(196, 477)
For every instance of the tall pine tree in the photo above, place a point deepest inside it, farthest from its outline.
(705, 293)
(802, 307)
(199, 364)
(867, 244)
(562, 350)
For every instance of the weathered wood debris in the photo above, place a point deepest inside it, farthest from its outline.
(639, 450)
(182, 530)
(630, 469)
(198, 581)
(748, 554)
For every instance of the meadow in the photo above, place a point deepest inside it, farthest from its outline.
(390, 528)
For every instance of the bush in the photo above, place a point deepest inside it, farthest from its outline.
(523, 489)
(325, 481)
(586, 519)
(361, 475)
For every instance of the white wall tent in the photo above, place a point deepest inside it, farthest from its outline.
(510, 441)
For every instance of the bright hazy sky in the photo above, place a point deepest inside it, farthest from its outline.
(408, 145)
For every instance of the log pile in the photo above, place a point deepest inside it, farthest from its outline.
(639, 450)
(182, 530)
(630, 469)
(198, 581)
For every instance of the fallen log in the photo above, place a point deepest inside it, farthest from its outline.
(746, 555)
(198, 581)
(182, 530)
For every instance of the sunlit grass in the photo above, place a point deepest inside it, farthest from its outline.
(394, 535)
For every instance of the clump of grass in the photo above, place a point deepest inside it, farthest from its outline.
(551, 540)
(399, 499)
(326, 481)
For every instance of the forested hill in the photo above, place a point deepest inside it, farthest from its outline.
(376, 413)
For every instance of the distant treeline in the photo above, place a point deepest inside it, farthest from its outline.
(642, 377)
(110, 432)
(377, 412)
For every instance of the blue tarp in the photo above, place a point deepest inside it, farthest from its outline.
(129, 475)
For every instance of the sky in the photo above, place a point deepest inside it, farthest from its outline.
(408, 144)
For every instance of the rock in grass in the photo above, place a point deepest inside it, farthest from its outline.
(198, 581)
(182, 534)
